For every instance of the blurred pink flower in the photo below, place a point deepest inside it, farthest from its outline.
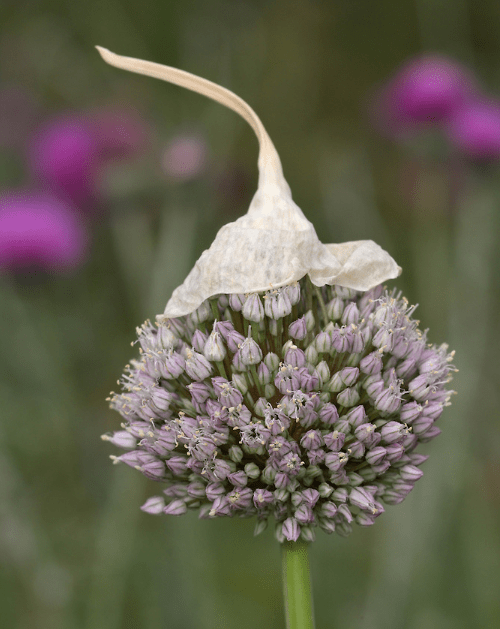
(68, 151)
(185, 157)
(474, 129)
(38, 229)
(425, 90)
(63, 155)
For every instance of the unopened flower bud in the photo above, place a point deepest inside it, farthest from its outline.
(277, 304)
(234, 339)
(214, 348)
(335, 308)
(269, 391)
(295, 357)
(328, 413)
(297, 329)
(238, 479)
(154, 505)
(407, 368)
(121, 439)
(376, 455)
(323, 342)
(372, 363)
(373, 385)
(240, 382)
(303, 514)
(253, 310)
(334, 441)
(199, 340)
(251, 354)
(252, 470)
(411, 473)
(291, 529)
(311, 440)
(356, 416)
(262, 498)
(328, 510)
(272, 362)
(311, 355)
(263, 374)
(410, 411)
(348, 397)
(394, 452)
(350, 314)
(176, 507)
(349, 375)
(236, 302)
(393, 431)
(422, 424)
(197, 366)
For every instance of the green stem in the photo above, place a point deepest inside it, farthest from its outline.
(297, 586)
(322, 306)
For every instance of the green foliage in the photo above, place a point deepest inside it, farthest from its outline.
(76, 551)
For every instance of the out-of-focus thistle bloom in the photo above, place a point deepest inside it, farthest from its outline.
(39, 230)
(68, 152)
(425, 90)
(184, 158)
(283, 381)
(63, 155)
(474, 129)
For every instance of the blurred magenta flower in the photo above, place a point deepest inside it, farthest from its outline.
(63, 155)
(425, 90)
(39, 230)
(67, 153)
(184, 157)
(120, 133)
(474, 129)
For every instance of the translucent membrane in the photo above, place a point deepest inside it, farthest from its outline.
(273, 244)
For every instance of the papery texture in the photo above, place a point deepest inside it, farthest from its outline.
(273, 244)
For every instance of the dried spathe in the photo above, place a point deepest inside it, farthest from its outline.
(273, 244)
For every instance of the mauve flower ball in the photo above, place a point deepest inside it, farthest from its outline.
(184, 157)
(427, 89)
(474, 129)
(37, 229)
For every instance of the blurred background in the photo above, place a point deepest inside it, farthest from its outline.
(386, 116)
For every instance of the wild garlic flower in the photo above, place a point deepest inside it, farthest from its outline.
(283, 381)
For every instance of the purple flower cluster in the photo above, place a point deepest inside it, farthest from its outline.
(44, 226)
(435, 90)
(304, 404)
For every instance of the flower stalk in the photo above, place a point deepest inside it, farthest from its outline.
(297, 589)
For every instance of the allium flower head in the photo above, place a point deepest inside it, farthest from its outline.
(309, 442)
(283, 381)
